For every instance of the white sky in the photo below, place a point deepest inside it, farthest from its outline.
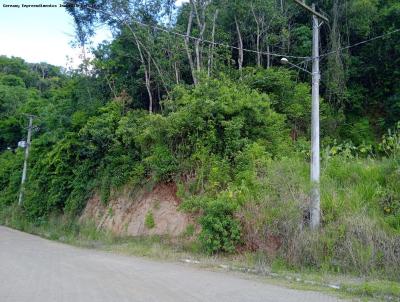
(41, 34)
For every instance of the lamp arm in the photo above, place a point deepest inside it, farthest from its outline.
(298, 67)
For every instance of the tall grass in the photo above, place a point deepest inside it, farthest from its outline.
(359, 206)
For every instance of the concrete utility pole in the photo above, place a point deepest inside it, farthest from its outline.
(28, 143)
(315, 160)
(315, 211)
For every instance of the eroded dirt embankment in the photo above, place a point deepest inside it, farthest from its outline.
(126, 211)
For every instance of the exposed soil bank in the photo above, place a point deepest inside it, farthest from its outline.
(126, 212)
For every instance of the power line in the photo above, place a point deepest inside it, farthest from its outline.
(262, 52)
(360, 43)
(198, 39)
(307, 59)
(217, 43)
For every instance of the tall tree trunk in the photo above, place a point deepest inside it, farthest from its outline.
(109, 85)
(146, 71)
(258, 47)
(212, 46)
(148, 85)
(85, 69)
(176, 72)
(145, 66)
(240, 46)
(336, 80)
(159, 97)
(201, 23)
(151, 59)
(187, 40)
(258, 35)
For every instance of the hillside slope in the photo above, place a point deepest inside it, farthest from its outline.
(126, 211)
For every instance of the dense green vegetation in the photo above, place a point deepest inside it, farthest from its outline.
(229, 127)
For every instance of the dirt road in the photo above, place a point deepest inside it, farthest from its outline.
(38, 270)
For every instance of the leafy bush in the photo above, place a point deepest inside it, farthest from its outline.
(220, 230)
(289, 98)
(10, 176)
(149, 220)
(219, 233)
(390, 144)
(161, 164)
(223, 117)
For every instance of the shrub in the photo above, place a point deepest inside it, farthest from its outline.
(10, 177)
(290, 98)
(220, 230)
(149, 220)
(223, 117)
(161, 164)
(390, 144)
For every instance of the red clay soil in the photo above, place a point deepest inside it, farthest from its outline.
(125, 212)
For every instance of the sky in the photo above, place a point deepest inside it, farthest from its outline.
(42, 34)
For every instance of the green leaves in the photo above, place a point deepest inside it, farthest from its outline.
(224, 116)
(10, 176)
(362, 14)
(11, 80)
(149, 220)
(219, 233)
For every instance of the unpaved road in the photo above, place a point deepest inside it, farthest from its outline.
(33, 269)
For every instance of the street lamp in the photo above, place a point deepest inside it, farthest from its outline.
(22, 144)
(285, 61)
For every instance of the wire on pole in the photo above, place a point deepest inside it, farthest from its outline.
(132, 19)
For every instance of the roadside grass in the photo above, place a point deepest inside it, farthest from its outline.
(187, 250)
(385, 290)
